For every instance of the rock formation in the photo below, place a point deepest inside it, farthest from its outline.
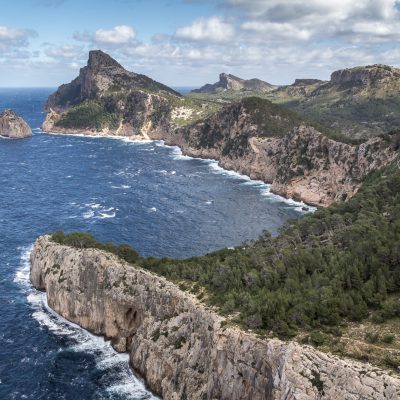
(298, 160)
(183, 348)
(13, 126)
(365, 75)
(232, 82)
(106, 99)
(251, 136)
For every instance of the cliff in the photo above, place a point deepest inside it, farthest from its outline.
(271, 144)
(232, 82)
(183, 348)
(13, 126)
(107, 99)
(251, 136)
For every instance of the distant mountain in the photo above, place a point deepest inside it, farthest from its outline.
(360, 101)
(232, 82)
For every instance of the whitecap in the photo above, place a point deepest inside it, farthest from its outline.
(88, 214)
(126, 383)
(105, 215)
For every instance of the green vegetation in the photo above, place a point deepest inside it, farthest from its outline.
(341, 263)
(87, 241)
(89, 115)
(275, 120)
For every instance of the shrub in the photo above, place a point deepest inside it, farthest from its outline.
(388, 338)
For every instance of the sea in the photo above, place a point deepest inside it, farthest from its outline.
(145, 194)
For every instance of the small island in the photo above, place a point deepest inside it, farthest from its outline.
(12, 126)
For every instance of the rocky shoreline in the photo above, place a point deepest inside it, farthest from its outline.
(326, 172)
(183, 348)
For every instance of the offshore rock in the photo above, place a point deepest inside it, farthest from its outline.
(13, 126)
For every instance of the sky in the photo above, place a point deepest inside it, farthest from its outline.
(43, 43)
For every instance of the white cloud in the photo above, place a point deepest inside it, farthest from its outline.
(63, 51)
(274, 31)
(120, 34)
(213, 29)
(17, 37)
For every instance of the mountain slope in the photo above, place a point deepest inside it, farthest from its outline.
(278, 146)
(107, 99)
(360, 102)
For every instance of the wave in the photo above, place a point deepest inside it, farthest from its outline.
(265, 188)
(124, 383)
(177, 154)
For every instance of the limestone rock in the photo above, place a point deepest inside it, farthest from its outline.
(180, 346)
(13, 126)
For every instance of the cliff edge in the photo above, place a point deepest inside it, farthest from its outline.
(183, 348)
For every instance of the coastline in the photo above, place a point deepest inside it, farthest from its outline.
(301, 204)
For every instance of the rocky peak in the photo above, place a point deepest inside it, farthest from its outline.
(99, 60)
(370, 74)
(97, 79)
(13, 126)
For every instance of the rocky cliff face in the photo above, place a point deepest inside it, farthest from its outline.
(232, 82)
(365, 75)
(12, 126)
(133, 103)
(251, 136)
(182, 347)
(299, 161)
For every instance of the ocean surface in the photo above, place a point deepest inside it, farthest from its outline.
(144, 194)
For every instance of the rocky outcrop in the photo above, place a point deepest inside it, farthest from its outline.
(183, 348)
(135, 103)
(365, 75)
(99, 79)
(232, 82)
(13, 126)
(300, 163)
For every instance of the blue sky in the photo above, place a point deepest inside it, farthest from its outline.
(189, 42)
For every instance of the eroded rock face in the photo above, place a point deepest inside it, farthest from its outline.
(180, 346)
(365, 75)
(13, 126)
(303, 164)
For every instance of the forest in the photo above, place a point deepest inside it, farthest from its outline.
(341, 263)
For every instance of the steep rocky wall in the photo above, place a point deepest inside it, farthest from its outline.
(303, 164)
(181, 346)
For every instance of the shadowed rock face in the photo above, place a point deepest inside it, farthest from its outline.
(13, 126)
(181, 346)
(232, 82)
